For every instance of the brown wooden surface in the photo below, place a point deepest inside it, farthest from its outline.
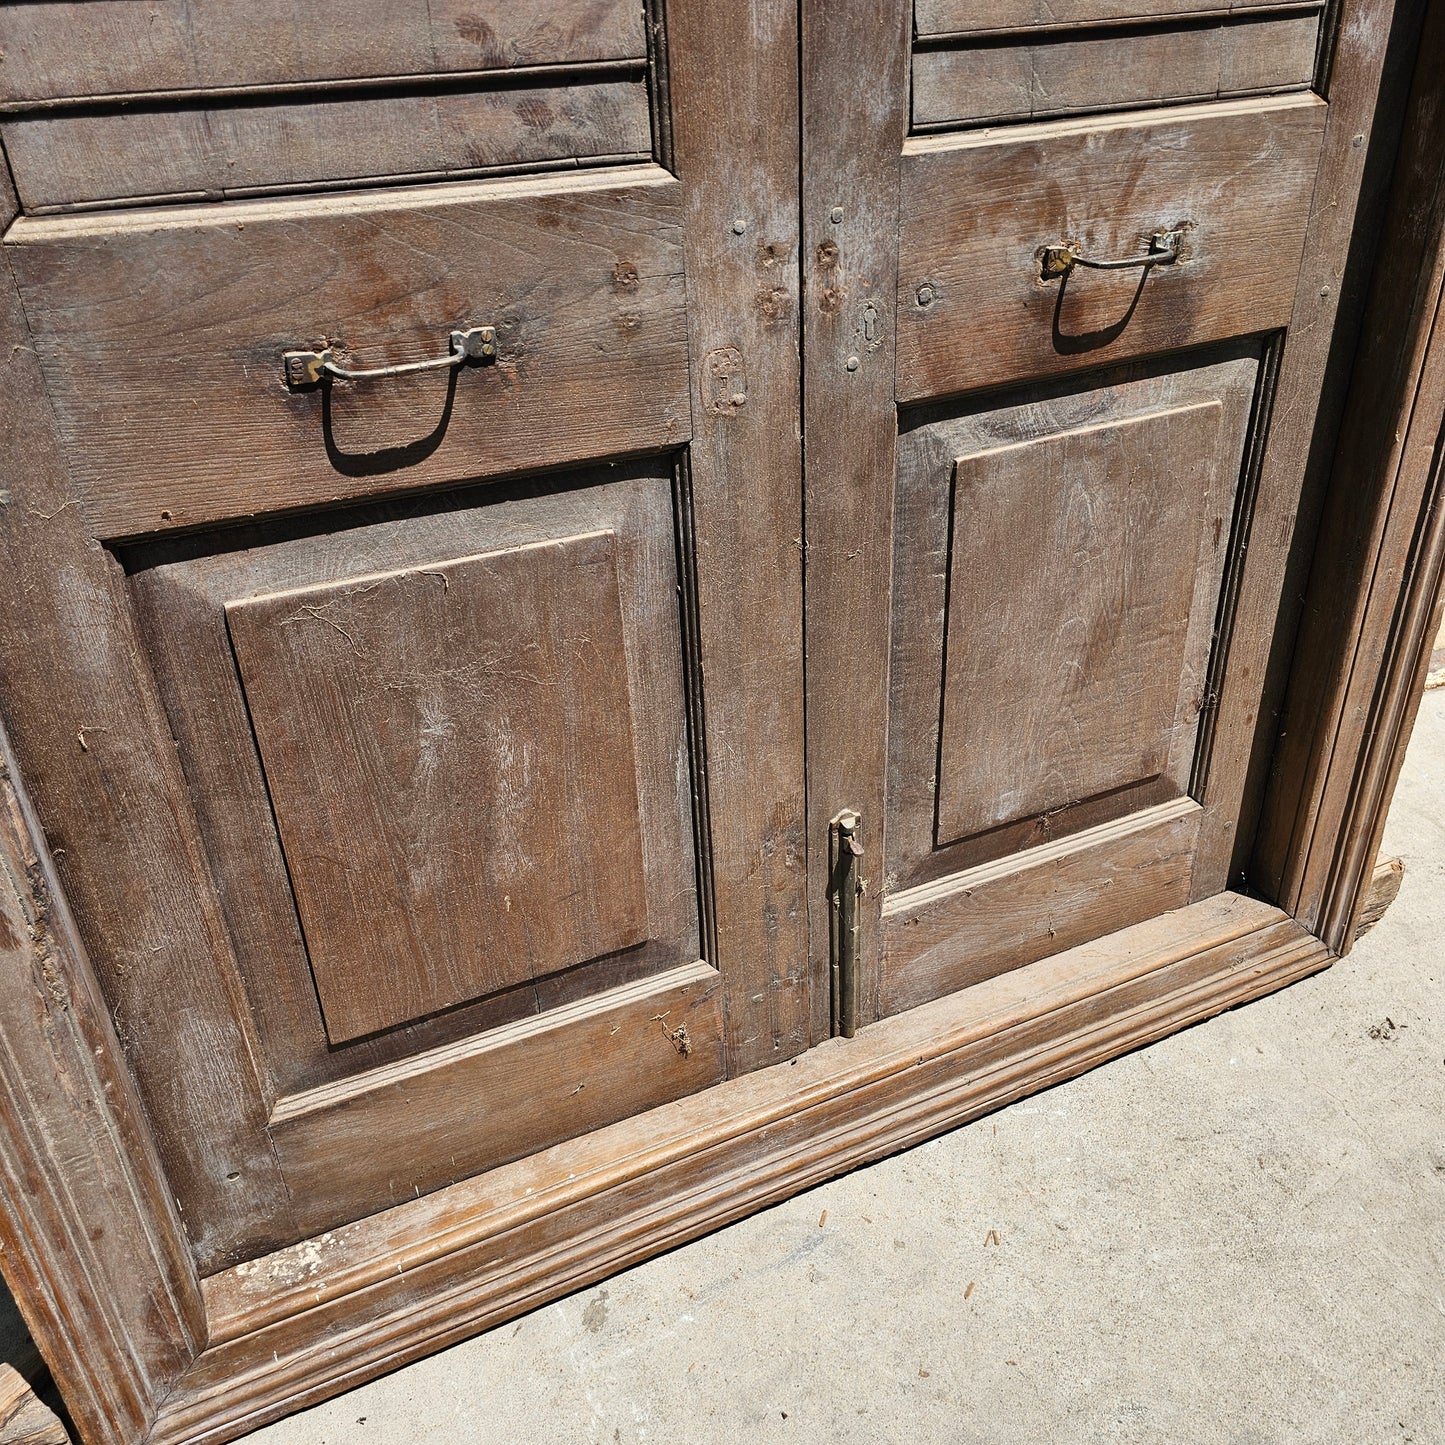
(70, 159)
(181, 588)
(307, 1323)
(98, 690)
(396, 711)
(583, 278)
(91, 1244)
(978, 209)
(101, 769)
(1363, 652)
(921, 598)
(978, 85)
(734, 78)
(949, 935)
(852, 138)
(953, 17)
(24, 1419)
(370, 1142)
(1276, 527)
(186, 313)
(100, 47)
(1070, 592)
(1383, 889)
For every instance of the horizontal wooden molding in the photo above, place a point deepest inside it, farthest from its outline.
(322, 1316)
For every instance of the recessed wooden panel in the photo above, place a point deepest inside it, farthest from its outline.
(955, 17)
(1073, 73)
(1070, 583)
(101, 47)
(491, 1070)
(203, 152)
(181, 587)
(450, 757)
(1049, 550)
(162, 334)
(973, 306)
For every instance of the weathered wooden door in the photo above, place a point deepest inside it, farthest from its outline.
(421, 751)
(1069, 292)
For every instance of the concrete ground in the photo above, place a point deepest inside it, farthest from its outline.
(1237, 1235)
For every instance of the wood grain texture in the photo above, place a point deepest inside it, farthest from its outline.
(72, 159)
(1071, 587)
(186, 313)
(1100, 405)
(733, 73)
(952, 934)
(958, 17)
(1031, 79)
(181, 588)
(25, 1419)
(1383, 890)
(374, 1141)
(449, 752)
(977, 210)
(1373, 58)
(100, 763)
(852, 141)
(104, 47)
(1373, 608)
(92, 1246)
(308, 1323)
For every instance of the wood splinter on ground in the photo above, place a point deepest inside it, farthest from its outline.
(1384, 886)
(24, 1419)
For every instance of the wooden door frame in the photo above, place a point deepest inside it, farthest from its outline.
(143, 1349)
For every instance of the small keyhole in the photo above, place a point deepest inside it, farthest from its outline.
(870, 324)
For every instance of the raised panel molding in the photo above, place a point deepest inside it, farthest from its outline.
(1059, 555)
(1071, 582)
(450, 756)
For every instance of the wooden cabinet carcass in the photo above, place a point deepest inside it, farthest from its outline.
(611, 609)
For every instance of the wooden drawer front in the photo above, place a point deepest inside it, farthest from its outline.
(69, 160)
(975, 308)
(162, 336)
(1017, 78)
(54, 50)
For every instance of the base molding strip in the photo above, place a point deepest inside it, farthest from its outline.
(323, 1316)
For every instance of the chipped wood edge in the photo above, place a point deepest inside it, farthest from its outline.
(25, 1419)
(324, 1316)
(90, 1245)
(1384, 888)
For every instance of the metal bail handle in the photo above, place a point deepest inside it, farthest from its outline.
(1060, 259)
(306, 368)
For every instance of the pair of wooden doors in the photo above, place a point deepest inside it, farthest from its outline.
(424, 754)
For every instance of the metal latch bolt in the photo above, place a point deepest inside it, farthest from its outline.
(846, 887)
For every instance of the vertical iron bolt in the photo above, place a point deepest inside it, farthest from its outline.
(926, 294)
(836, 215)
(739, 226)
